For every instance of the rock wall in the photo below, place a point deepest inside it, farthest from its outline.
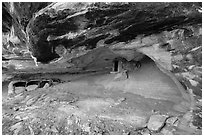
(15, 18)
(169, 33)
(85, 24)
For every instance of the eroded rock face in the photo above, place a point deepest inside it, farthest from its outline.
(156, 122)
(85, 24)
(128, 29)
(16, 16)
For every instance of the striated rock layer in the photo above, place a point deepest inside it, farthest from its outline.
(91, 25)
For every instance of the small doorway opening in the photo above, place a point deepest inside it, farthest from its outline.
(115, 69)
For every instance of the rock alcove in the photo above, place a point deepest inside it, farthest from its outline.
(102, 68)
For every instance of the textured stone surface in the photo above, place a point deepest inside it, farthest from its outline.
(110, 107)
(167, 131)
(156, 122)
(111, 22)
(172, 121)
(19, 89)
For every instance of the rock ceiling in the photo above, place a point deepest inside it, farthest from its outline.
(121, 27)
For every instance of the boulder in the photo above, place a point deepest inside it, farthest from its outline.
(167, 131)
(156, 122)
(172, 121)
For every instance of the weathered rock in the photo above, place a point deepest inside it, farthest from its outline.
(156, 122)
(16, 128)
(111, 22)
(31, 87)
(167, 131)
(177, 57)
(46, 85)
(160, 56)
(189, 57)
(16, 87)
(19, 89)
(11, 89)
(193, 83)
(172, 121)
(32, 100)
(197, 71)
(185, 123)
(146, 132)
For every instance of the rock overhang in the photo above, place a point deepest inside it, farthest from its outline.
(104, 24)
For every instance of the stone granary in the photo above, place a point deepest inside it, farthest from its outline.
(123, 67)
